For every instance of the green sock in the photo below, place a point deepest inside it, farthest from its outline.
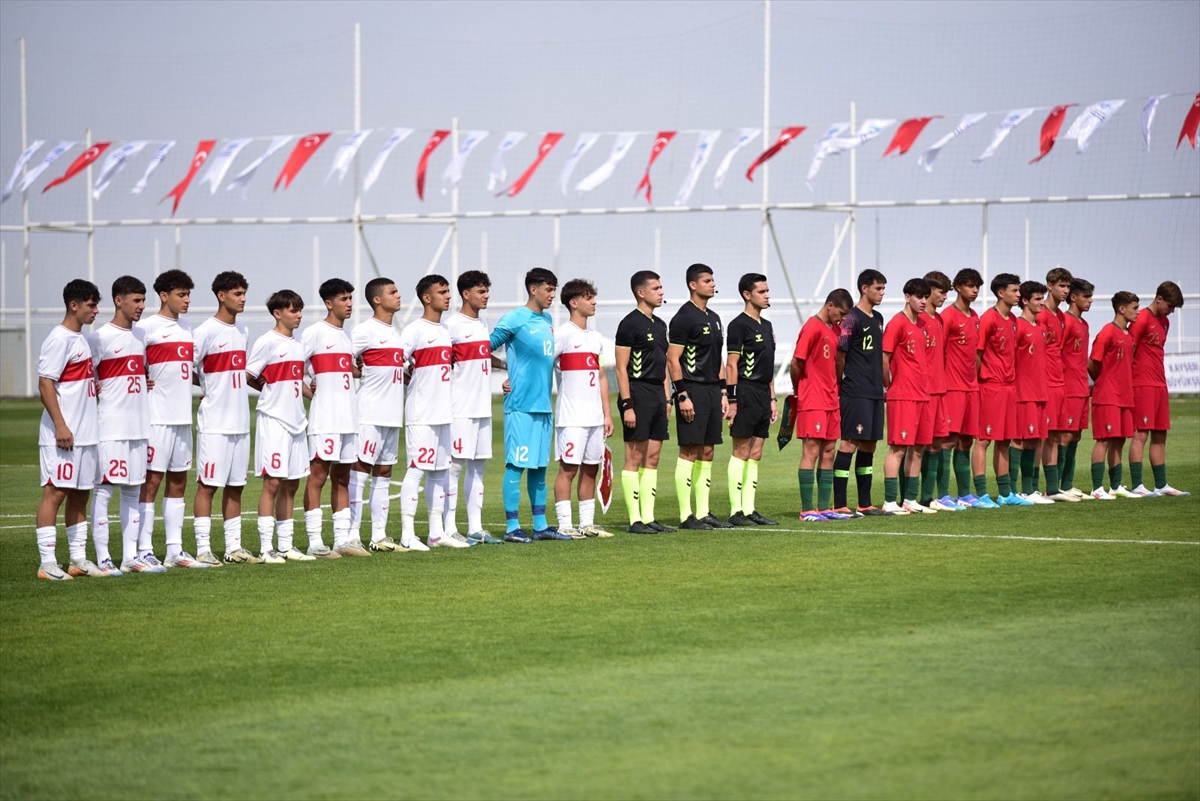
(1037, 474)
(1062, 459)
(808, 478)
(962, 473)
(824, 489)
(1028, 479)
(629, 483)
(891, 489)
(912, 486)
(1114, 475)
(749, 486)
(1004, 485)
(1052, 479)
(981, 486)
(736, 477)
(702, 481)
(1097, 476)
(929, 466)
(1160, 475)
(1066, 466)
(647, 490)
(683, 487)
(1135, 474)
(944, 458)
(1014, 468)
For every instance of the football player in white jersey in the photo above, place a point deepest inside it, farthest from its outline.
(471, 397)
(169, 356)
(582, 418)
(332, 425)
(378, 356)
(428, 411)
(67, 436)
(223, 421)
(275, 367)
(119, 354)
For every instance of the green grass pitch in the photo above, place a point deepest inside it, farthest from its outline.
(1019, 653)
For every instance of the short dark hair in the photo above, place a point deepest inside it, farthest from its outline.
(917, 287)
(172, 280)
(80, 291)
(428, 282)
(334, 287)
(695, 271)
(869, 278)
(641, 278)
(284, 299)
(128, 285)
(1123, 299)
(539, 276)
(576, 288)
(1170, 292)
(968, 276)
(1058, 275)
(746, 283)
(229, 281)
(1080, 286)
(374, 289)
(1004, 280)
(1031, 288)
(471, 279)
(840, 298)
(938, 280)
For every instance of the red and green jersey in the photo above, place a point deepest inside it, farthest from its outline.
(1149, 339)
(1113, 349)
(905, 343)
(997, 343)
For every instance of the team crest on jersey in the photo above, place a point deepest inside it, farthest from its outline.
(817, 426)
(1070, 421)
(1031, 427)
(858, 428)
(649, 337)
(706, 331)
(988, 429)
(1145, 418)
(903, 435)
(1108, 427)
(758, 337)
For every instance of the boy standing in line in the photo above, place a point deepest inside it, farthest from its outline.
(1076, 340)
(961, 325)
(905, 346)
(1032, 420)
(935, 465)
(1151, 406)
(1053, 322)
(1111, 368)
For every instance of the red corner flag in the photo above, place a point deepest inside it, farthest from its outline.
(548, 143)
(907, 133)
(93, 153)
(660, 143)
(1190, 123)
(430, 146)
(1050, 129)
(785, 136)
(202, 150)
(300, 155)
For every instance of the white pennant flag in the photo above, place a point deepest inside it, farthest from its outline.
(398, 136)
(620, 150)
(21, 162)
(833, 144)
(1090, 121)
(705, 141)
(243, 178)
(929, 156)
(744, 137)
(159, 155)
(51, 157)
(453, 172)
(582, 145)
(1148, 118)
(497, 174)
(219, 164)
(345, 154)
(833, 131)
(114, 162)
(1011, 120)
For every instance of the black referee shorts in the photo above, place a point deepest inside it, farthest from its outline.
(753, 411)
(862, 418)
(705, 428)
(650, 408)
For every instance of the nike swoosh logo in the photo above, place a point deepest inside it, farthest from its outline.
(383, 342)
(118, 350)
(223, 344)
(327, 347)
(166, 336)
(577, 346)
(283, 355)
(429, 342)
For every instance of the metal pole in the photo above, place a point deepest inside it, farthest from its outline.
(356, 228)
(1026, 248)
(3, 280)
(786, 275)
(483, 254)
(178, 248)
(454, 211)
(985, 245)
(837, 257)
(25, 228)
(658, 250)
(557, 253)
(91, 229)
(157, 260)
(766, 124)
(876, 239)
(853, 195)
(316, 273)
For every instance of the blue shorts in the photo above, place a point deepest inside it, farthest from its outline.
(527, 439)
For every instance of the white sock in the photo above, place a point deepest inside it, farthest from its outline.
(379, 507)
(562, 510)
(284, 530)
(313, 521)
(435, 500)
(341, 527)
(203, 529)
(173, 525)
(587, 513)
(101, 495)
(410, 491)
(473, 489)
(77, 541)
(358, 481)
(145, 524)
(451, 524)
(131, 525)
(46, 536)
(233, 534)
(266, 528)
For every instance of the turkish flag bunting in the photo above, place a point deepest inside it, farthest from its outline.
(92, 153)
(430, 146)
(300, 155)
(202, 151)
(907, 133)
(660, 143)
(548, 143)
(1050, 129)
(785, 136)
(1190, 124)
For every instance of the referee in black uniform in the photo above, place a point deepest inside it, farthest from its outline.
(750, 380)
(643, 394)
(695, 367)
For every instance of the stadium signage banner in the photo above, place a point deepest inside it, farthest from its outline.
(1183, 373)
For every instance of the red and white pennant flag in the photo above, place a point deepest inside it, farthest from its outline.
(548, 143)
(785, 137)
(1050, 129)
(202, 150)
(422, 165)
(79, 165)
(301, 153)
(1190, 124)
(660, 143)
(906, 134)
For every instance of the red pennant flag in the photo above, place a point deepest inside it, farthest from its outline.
(92, 153)
(430, 146)
(660, 143)
(300, 155)
(907, 133)
(202, 151)
(1190, 124)
(548, 143)
(1050, 129)
(785, 136)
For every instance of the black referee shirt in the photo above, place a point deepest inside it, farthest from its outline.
(755, 341)
(646, 338)
(699, 332)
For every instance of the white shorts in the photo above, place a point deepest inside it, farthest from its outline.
(222, 459)
(427, 447)
(337, 448)
(122, 461)
(73, 469)
(170, 448)
(279, 453)
(579, 444)
(471, 438)
(377, 445)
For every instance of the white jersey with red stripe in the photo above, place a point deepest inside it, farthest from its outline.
(577, 368)
(169, 353)
(470, 381)
(119, 355)
(279, 362)
(329, 359)
(381, 387)
(427, 348)
(219, 358)
(66, 359)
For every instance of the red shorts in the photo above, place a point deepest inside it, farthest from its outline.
(1075, 414)
(1151, 409)
(907, 423)
(962, 411)
(1056, 398)
(936, 419)
(997, 412)
(818, 424)
(1109, 422)
(1031, 420)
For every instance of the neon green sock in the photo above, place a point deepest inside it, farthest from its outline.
(808, 478)
(629, 484)
(824, 489)
(647, 490)
(683, 487)
(749, 486)
(702, 481)
(736, 480)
